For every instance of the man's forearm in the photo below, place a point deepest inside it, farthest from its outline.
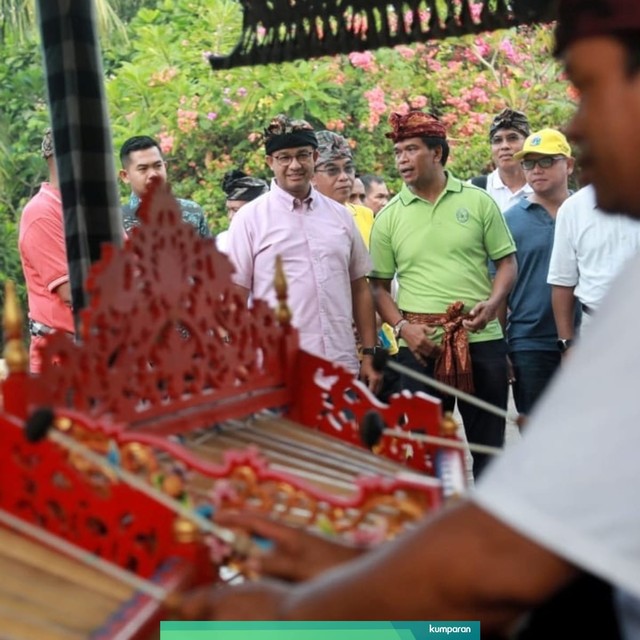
(364, 312)
(63, 291)
(495, 575)
(564, 304)
(385, 304)
(506, 272)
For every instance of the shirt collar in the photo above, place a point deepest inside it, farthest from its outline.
(293, 203)
(496, 183)
(453, 184)
(134, 202)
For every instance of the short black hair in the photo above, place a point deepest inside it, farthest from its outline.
(368, 179)
(434, 143)
(136, 143)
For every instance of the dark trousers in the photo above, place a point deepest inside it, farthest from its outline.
(390, 383)
(489, 365)
(532, 372)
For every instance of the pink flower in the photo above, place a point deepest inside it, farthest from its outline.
(212, 115)
(507, 48)
(418, 102)
(482, 46)
(187, 120)
(166, 142)
(362, 60)
(377, 106)
(406, 52)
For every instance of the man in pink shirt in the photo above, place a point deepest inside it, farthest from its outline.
(44, 260)
(324, 257)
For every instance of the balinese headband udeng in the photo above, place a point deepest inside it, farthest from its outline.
(237, 185)
(415, 124)
(332, 146)
(284, 133)
(510, 119)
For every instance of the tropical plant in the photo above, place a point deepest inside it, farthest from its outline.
(159, 82)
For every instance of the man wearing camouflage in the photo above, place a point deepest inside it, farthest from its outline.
(142, 160)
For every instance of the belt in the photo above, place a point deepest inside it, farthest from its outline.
(40, 329)
(588, 310)
(453, 365)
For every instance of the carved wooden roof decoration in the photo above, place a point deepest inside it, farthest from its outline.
(275, 31)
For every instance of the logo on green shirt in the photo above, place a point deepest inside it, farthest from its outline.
(462, 215)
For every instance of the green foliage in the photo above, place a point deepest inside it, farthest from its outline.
(10, 267)
(23, 117)
(159, 82)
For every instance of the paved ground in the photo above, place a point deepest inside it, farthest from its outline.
(512, 432)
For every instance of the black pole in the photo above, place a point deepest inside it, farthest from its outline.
(81, 135)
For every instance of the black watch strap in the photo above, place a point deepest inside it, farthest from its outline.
(371, 351)
(564, 344)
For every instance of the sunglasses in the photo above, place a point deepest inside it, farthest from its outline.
(544, 163)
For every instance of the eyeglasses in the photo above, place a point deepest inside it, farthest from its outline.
(544, 163)
(301, 158)
(332, 170)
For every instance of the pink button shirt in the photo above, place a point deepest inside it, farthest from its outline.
(44, 262)
(322, 252)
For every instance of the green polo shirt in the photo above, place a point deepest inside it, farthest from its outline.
(440, 251)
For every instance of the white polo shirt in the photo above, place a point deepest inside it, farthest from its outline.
(499, 191)
(590, 247)
(571, 482)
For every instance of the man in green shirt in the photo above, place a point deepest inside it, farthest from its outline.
(437, 235)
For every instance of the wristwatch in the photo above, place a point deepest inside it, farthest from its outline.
(564, 344)
(397, 327)
(371, 351)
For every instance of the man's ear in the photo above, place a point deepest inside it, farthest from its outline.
(269, 160)
(124, 176)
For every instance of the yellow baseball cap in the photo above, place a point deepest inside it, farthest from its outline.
(548, 142)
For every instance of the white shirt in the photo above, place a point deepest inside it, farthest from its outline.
(590, 247)
(571, 483)
(222, 241)
(499, 191)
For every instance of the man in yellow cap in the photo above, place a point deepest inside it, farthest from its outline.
(532, 336)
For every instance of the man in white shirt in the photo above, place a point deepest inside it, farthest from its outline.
(590, 248)
(506, 184)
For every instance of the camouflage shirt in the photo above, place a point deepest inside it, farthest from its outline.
(191, 213)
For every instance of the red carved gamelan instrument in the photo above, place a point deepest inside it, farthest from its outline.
(174, 402)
